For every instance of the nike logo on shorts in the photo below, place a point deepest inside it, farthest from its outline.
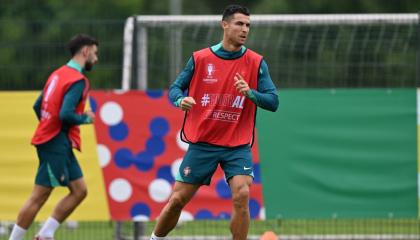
(247, 168)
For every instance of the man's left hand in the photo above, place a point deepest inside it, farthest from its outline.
(241, 86)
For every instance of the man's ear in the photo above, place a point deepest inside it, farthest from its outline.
(85, 51)
(223, 24)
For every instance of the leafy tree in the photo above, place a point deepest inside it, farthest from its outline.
(33, 33)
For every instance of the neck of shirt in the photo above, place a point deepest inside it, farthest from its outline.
(221, 52)
(75, 65)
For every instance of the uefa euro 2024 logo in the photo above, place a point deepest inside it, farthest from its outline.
(210, 70)
(210, 78)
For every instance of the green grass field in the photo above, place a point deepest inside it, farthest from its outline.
(299, 227)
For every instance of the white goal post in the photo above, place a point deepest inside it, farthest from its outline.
(136, 29)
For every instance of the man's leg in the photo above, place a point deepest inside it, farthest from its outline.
(239, 225)
(64, 208)
(78, 192)
(181, 195)
(28, 212)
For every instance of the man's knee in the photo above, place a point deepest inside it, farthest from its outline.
(240, 197)
(177, 202)
(78, 189)
(80, 193)
(40, 195)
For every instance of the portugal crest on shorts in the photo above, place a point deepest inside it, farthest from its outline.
(187, 171)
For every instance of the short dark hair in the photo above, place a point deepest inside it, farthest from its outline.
(79, 41)
(232, 9)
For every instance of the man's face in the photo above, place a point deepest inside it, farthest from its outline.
(236, 29)
(91, 57)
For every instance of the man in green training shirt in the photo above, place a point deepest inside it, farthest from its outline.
(226, 83)
(60, 110)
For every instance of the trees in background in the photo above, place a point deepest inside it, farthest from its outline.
(33, 33)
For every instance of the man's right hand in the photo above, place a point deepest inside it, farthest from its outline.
(91, 116)
(187, 103)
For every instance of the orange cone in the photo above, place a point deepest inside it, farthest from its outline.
(269, 235)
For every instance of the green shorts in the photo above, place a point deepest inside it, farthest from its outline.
(201, 161)
(57, 168)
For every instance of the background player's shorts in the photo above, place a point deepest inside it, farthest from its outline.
(57, 168)
(201, 161)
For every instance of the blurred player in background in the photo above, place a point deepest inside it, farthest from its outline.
(226, 83)
(60, 111)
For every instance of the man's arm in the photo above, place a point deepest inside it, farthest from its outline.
(181, 83)
(71, 99)
(266, 94)
(37, 106)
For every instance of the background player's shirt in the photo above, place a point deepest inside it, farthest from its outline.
(69, 118)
